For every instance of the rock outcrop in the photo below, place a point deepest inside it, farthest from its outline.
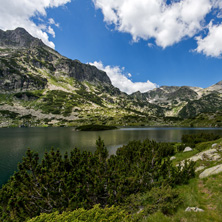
(211, 171)
(187, 149)
(18, 38)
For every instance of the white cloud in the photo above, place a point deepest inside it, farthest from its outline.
(52, 22)
(145, 19)
(14, 13)
(211, 45)
(119, 80)
(217, 3)
(150, 45)
(51, 31)
(167, 22)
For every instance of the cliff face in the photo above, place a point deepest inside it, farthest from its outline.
(82, 72)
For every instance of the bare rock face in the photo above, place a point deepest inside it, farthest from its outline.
(18, 38)
(82, 72)
(17, 83)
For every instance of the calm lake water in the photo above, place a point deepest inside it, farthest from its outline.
(15, 141)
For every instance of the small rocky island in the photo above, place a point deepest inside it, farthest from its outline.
(95, 128)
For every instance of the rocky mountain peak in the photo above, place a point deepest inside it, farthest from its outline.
(18, 38)
(216, 87)
(219, 83)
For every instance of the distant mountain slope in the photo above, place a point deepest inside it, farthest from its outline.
(167, 94)
(206, 104)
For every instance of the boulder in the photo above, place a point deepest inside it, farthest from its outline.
(172, 158)
(211, 171)
(200, 168)
(193, 209)
(187, 149)
(214, 145)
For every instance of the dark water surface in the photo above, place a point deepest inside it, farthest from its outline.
(15, 141)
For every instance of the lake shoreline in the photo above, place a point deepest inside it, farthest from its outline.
(120, 127)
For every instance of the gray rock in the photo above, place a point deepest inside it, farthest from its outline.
(200, 168)
(187, 149)
(211, 171)
(172, 158)
(18, 38)
(193, 209)
(213, 145)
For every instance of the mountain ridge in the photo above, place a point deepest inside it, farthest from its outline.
(38, 86)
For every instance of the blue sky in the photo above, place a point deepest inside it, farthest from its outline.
(135, 41)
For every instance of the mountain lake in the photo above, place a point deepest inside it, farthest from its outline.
(15, 141)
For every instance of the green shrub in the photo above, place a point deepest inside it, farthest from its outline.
(193, 139)
(90, 96)
(164, 199)
(83, 179)
(181, 148)
(96, 214)
(59, 102)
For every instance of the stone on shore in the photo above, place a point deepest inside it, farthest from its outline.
(211, 171)
(187, 149)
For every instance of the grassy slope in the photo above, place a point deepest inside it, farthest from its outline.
(203, 193)
(205, 120)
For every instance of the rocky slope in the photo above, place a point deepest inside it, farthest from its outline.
(40, 87)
